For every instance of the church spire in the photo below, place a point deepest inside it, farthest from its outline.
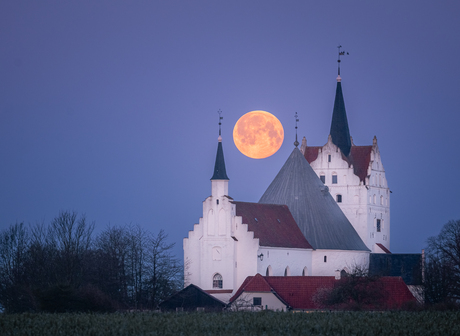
(219, 167)
(339, 126)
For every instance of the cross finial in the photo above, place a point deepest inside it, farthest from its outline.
(341, 53)
(220, 120)
(296, 116)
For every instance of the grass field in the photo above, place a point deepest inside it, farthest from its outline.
(239, 323)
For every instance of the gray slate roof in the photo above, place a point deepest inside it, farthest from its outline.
(317, 214)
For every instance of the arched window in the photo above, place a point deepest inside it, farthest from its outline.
(334, 178)
(217, 281)
(269, 271)
(322, 177)
(305, 271)
(325, 258)
(287, 271)
(381, 200)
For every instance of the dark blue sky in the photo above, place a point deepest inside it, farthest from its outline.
(110, 108)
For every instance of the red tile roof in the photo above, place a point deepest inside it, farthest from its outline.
(299, 292)
(311, 153)
(360, 157)
(273, 224)
(383, 248)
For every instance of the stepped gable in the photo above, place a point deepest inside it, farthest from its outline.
(360, 157)
(318, 216)
(273, 224)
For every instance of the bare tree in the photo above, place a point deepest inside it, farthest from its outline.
(71, 236)
(15, 295)
(356, 290)
(165, 272)
(442, 274)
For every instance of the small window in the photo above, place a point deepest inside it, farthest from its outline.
(257, 301)
(217, 281)
(217, 201)
(378, 225)
(305, 271)
(322, 178)
(269, 271)
(325, 258)
(339, 198)
(334, 179)
(329, 158)
(381, 200)
(287, 271)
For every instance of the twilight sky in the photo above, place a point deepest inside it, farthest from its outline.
(109, 108)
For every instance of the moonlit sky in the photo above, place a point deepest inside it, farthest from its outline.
(109, 108)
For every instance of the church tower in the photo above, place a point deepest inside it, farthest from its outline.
(216, 251)
(355, 177)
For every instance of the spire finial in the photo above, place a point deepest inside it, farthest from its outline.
(220, 123)
(296, 116)
(341, 53)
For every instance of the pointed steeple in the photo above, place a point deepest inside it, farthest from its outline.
(219, 167)
(339, 126)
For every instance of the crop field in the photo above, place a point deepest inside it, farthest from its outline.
(237, 323)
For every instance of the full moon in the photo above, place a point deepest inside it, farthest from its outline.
(258, 134)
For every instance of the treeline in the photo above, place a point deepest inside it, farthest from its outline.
(63, 267)
(442, 269)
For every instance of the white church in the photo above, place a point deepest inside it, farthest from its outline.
(324, 213)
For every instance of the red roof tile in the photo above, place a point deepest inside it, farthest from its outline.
(255, 283)
(360, 157)
(299, 291)
(273, 224)
(311, 153)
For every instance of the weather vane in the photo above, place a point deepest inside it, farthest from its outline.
(220, 119)
(296, 116)
(341, 53)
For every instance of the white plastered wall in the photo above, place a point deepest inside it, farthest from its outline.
(278, 258)
(269, 301)
(338, 260)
